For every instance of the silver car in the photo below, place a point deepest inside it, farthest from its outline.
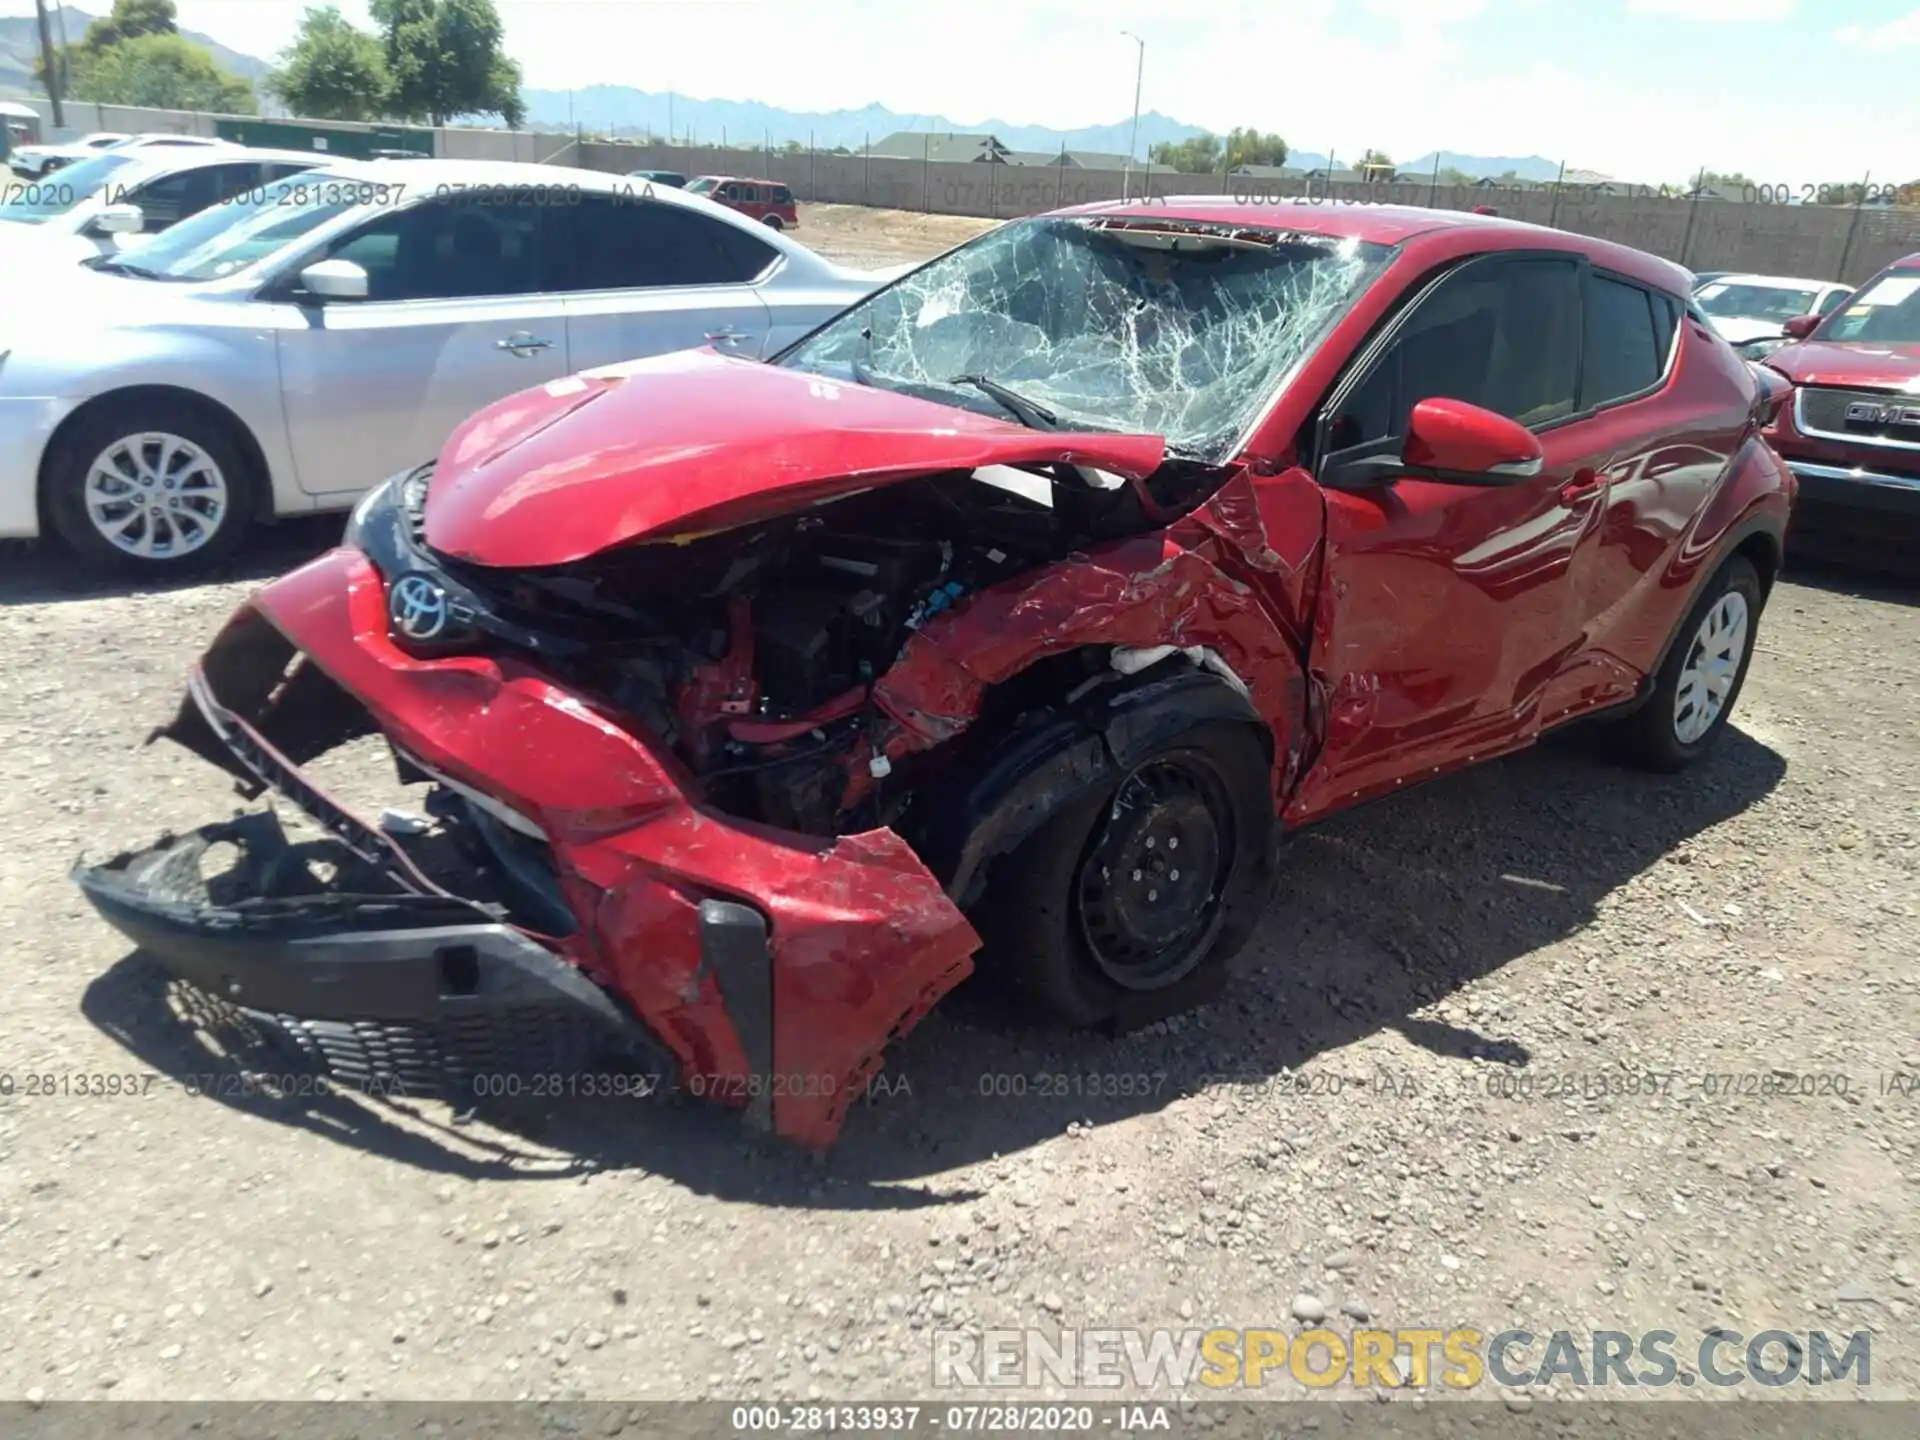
(281, 353)
(110, 200)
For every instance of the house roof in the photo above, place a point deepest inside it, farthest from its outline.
(943, 145)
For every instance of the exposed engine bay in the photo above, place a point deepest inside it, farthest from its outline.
(752, 652)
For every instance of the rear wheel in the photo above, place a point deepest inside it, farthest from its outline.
(773, 222)
(1698, 683)
(1151, 881)
(150, 487)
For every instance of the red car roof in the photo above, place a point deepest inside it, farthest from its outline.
(1395, 225)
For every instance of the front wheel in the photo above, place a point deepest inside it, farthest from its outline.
(150, 487)
(1151, 881)
(1695, 689)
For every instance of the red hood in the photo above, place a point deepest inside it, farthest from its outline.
(700, 441)
(1866, 365)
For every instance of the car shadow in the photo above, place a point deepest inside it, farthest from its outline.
(1379, 912)
(42, 573)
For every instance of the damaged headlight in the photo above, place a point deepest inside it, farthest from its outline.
(384, 517)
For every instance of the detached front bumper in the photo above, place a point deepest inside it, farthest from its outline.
(386, 991)
(771, 969)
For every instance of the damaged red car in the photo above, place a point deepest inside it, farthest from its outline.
(1008, 619)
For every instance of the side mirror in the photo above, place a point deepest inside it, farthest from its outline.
(1452, 440)
(335, 280)
(119, 220)
(1801, 326)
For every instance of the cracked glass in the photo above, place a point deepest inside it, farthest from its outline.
(1124, 323)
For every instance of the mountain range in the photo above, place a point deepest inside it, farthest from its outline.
(623, 110)
(20, 48)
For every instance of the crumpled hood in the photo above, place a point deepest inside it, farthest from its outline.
(696, 441)
(1868, 365)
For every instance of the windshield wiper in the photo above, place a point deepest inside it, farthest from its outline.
(120, 267)
(1033, 416)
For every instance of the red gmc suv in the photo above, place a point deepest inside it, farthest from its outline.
(1852, 431)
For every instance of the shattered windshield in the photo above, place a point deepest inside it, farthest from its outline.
(1144, 325)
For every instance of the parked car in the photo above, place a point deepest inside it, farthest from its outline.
(276, 354)
(1707, 277)
(1852, 433)
(38, 161)
(660, 177)
(1025, 602)
(764, 200)
(103, 204)
(1757, 307)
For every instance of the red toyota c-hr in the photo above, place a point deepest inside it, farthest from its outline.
(1013, 612)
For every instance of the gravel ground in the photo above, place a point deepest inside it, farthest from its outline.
(1539, 920)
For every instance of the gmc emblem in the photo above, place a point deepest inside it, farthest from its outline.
(1868, 412)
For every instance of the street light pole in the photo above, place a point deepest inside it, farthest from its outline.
(1133, 131)
(46, 60)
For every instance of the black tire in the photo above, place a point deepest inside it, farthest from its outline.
(64, 480)
(1651, 736)
(1054, 925)
(773, 221)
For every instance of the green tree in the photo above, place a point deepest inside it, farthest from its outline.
(1374, 157)
(444, 59)
(129, 20)
(1196, 155)
(167, 72)
(332, 71)
(1251, 147)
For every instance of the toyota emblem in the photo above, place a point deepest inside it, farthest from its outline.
(418, 607)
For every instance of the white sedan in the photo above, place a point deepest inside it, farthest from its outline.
(1757, 307)
(116, 197)
(283, 353)
(35, 161)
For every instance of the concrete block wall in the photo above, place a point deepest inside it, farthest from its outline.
(1817, 241)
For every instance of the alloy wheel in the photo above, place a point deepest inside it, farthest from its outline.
(156, 496)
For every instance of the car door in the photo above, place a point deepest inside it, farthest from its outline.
(643, 277)
(1665, 411)
(1445, 610)
(459, 313)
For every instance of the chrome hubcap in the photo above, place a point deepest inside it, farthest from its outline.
(156, 496)
(1706, 680)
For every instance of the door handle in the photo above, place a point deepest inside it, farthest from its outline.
(726, 335)
(1584, 485)
(523, 344)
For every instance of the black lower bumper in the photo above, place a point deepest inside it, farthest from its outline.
(308, 951)
(1876, 492)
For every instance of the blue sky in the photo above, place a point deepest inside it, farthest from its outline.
(1790, 91)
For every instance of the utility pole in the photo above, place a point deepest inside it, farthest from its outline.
(46, 60)
(1133, 131)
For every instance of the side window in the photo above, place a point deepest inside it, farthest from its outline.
(281, 169)
(782, 195)
(448, 250)
(1504, 336)
(1666, 319)
(1835, 299)
(172, 198)
(1623, 355)
(624, 244)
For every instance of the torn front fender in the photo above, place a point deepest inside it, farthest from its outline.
(1149, 591)
(855, 939)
